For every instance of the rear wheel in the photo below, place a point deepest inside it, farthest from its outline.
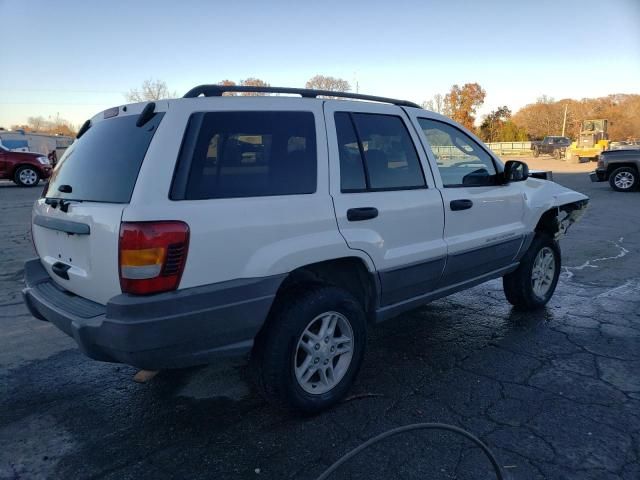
(623, 179)
(26, 176)
(532, 285)
(311, 349)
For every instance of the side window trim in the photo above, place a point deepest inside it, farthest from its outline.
(185, 157)
(432, 159)
(368, 187)
(365, 169)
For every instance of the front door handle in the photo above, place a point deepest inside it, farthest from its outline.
(462, 204)
(362, 213)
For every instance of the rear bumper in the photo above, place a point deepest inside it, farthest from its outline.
(168, 330)
(598, 176)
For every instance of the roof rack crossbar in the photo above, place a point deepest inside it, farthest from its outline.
(218, 90)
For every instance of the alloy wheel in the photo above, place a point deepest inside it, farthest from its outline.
(28, 176)
(623, 180)
(543, 272)
(323, 353)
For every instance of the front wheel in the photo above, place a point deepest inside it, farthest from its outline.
(26, 177)
(311, 349)
(532, 284)
(623, 179)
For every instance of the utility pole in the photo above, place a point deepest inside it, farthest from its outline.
(564, 121)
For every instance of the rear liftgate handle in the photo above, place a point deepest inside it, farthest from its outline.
(61, 270)
(463, 204)
(362, 213)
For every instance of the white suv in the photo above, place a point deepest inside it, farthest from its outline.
(175, 232)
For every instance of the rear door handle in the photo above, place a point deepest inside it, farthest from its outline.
(462, 204)
(362, 213)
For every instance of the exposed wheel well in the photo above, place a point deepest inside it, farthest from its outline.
(557, 220)
(549, 223)
(349, 273)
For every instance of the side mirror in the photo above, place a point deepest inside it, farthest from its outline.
(515, 171)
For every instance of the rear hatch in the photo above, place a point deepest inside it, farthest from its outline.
(76, 224)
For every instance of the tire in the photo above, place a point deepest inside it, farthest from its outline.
(26, 176)
(520, 287)
(279, 356)
(536, 152)
(624, 179)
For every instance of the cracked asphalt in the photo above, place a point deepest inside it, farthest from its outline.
(555, 394)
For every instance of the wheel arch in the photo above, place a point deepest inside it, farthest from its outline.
(350, 273)
(556, 221)
(18, 166)
(614, 166)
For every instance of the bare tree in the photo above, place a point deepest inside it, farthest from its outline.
(40, 124)
(438, 103)
(36, 123)
(150, 90)
(333, 84)
(253, 82)
(435, 103)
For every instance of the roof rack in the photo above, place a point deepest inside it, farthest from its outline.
(218, 90)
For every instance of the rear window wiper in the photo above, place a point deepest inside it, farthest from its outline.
(146, 114)
(83, 129)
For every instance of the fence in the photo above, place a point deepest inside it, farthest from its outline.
(510, 148)
(445, 152)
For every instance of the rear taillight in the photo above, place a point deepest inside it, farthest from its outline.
(152, 256)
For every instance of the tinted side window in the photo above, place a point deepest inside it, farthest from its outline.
(461, 161)
(352, 177)
(390, 156)
(249, 154)
(376, 153)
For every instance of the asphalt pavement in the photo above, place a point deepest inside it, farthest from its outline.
(555, 394)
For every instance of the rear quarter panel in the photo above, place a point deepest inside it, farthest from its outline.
(240, 237)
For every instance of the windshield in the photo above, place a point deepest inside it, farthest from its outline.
(103, 164)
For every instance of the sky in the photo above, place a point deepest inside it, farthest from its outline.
(72, 59)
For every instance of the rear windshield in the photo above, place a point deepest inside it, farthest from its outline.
(103, 164)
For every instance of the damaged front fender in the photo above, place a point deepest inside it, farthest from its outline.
(569, 214)
(552, 207)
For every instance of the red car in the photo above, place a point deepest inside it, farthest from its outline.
(25, 168)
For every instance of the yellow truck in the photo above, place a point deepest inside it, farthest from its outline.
(591, 142)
